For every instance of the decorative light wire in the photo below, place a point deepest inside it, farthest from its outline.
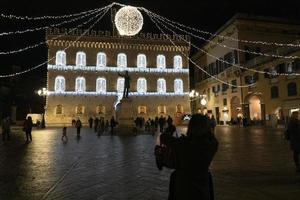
(78, 38)
(44, 42)
(224, 61)
(223, 45)
(46, 27)
(46, 17)
(227, 37)
(217, 79)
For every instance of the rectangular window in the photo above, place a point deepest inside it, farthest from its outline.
(58, 109)
(225, 102)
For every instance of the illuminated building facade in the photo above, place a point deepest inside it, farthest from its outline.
(272, 98)
(83, 79)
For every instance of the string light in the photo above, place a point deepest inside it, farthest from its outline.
(73, 93)
(116, 69)
(46, 17)
(223, 45)
(44, 42)
(77, 39)
(224, 61)
(227, 37)
(217, 79)
(46, 27)
(128, 21)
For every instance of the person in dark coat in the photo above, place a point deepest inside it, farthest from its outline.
(161, 123)
(193, 155)
(91, 122)
(293, 135)
(78, 126)
(112, 125)
(6, 129)
(27, 128)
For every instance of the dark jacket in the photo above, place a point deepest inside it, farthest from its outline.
(193, 158)
(27, 126)
(293, 133)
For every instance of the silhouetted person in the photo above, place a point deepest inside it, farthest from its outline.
(78, 126)
(27, 128)
(213, 123)
(6, 129)
(126, 83)
(161, 122)
(112, 125)
(96, 122)
(169, 120)
(64, 136)
(170, 128)
(293, 135)
(193, 156)
(91, 122)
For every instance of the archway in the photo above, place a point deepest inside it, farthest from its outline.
(255, 108)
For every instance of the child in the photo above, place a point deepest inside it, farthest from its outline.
(64, 134)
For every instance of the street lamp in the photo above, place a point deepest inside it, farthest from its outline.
(43, 93)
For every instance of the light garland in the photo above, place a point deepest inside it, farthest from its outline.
(44, 42)
(49, 26)
(78, 38)
(223, 45)
(116, 69)
(128, 21)
(73, 93)
(213, 77)
(224, 61)
(45, 17)
(227, 37)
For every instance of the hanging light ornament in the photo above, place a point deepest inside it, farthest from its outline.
(129, 21)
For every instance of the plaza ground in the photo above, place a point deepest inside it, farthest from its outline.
(252, 163)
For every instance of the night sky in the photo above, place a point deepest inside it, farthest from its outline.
(203, 14)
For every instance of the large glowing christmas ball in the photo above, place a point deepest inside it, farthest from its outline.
(129, 21)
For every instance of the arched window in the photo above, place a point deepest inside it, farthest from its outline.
(141, 85)
(179, 108)
(101, 59)
(122, 60)
(101, 85)
(79, 109)
(292, 89)
(178, 86)
(59, 84)
(161, 62)
(142, 109)
(177, 62)
(161, 109)
(80, 59)
(120, 85)
(60, 58)
(161, 85)
(141, 61)
(59, 110)
(100, 109)
(80, 84)
(274, 92)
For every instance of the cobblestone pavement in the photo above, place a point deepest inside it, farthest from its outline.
(251, 164)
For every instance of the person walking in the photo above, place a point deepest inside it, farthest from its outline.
(96, 122)
(161, 123)
(64, 136)
(27, 128)
(213, 123)
(293, 135)
(192, 156)
(78, 126)
(6, 129)
(112, 125)
(91, 122)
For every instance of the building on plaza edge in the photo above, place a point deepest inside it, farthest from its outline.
(272, 98)
(83, 80)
